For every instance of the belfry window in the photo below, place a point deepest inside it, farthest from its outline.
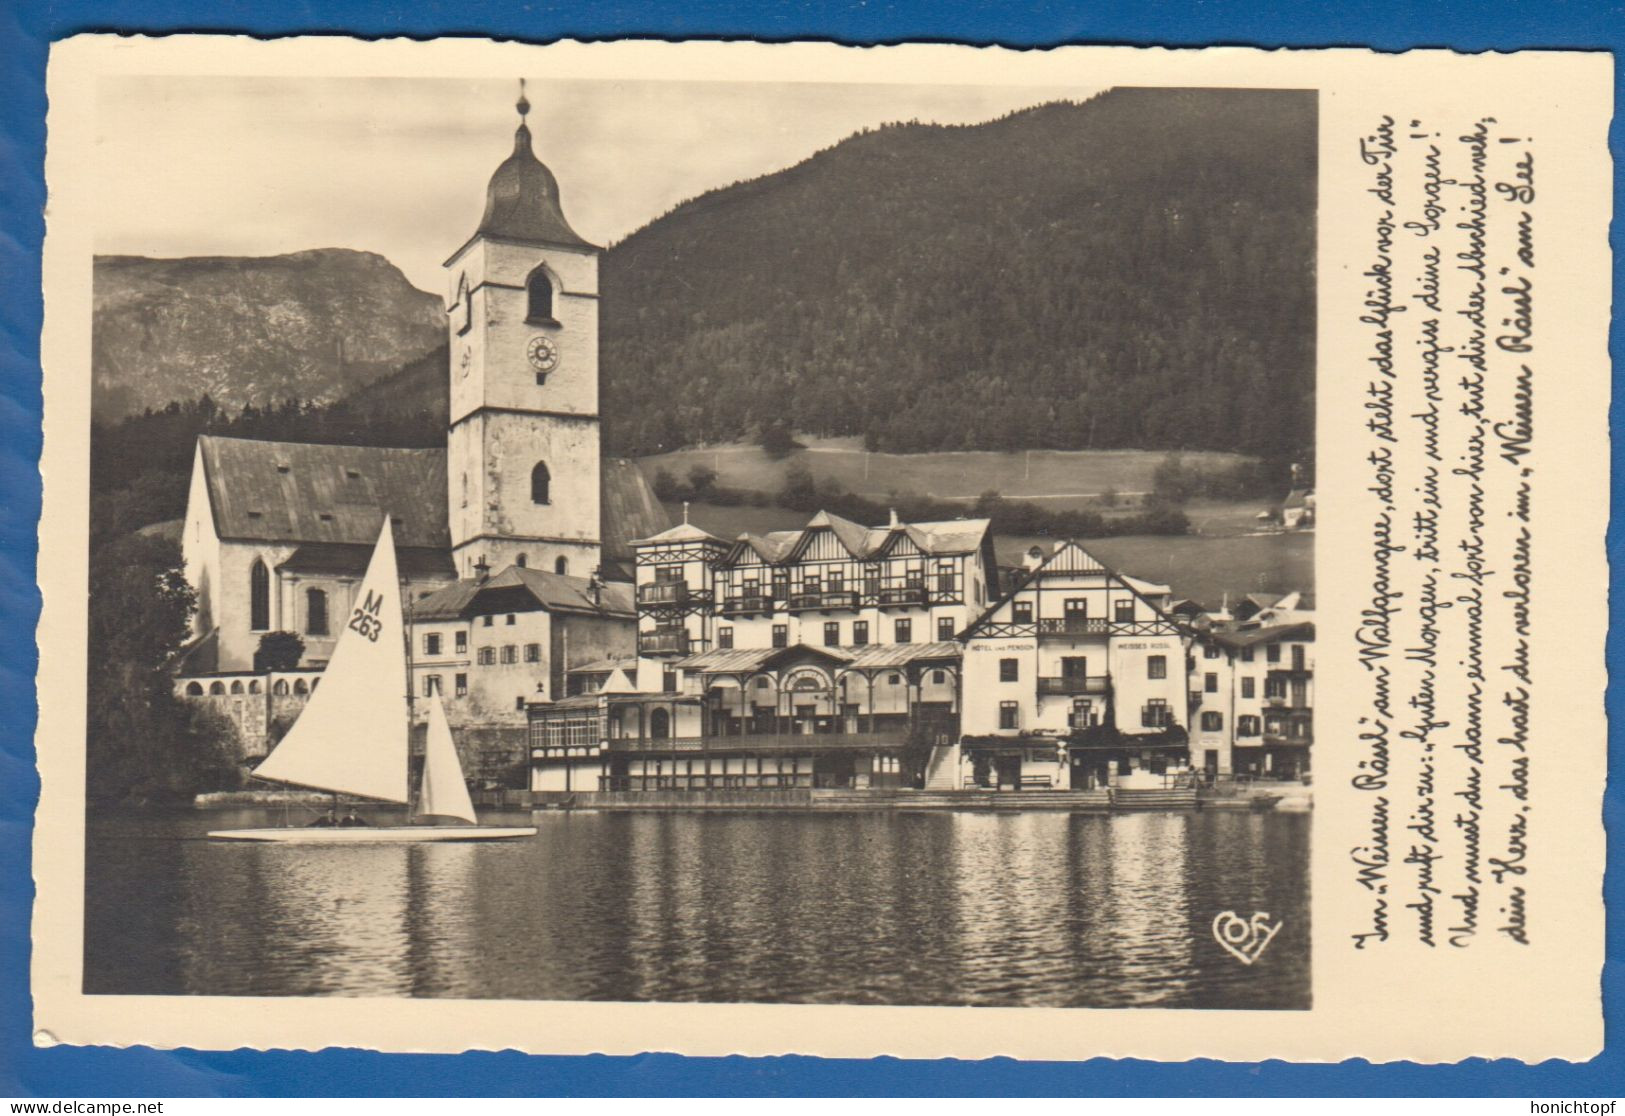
(561, 565)
(465, 307)
(540, 483)
(539, 297)
(259, 597)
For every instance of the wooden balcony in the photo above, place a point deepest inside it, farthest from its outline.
(663, 593)
(1281, 738)
(828, 598)
(901, 595)
(744, 605)
(1073, 626)
(765, 742)
(1074, 684)
(663, 641)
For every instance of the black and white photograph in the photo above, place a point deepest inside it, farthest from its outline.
(702, 541)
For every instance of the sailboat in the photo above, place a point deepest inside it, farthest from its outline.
(352, 737)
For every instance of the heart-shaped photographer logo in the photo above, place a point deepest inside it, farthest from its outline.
(1244, 938)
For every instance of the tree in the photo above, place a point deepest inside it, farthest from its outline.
(279, 651)
(143, 742)
(701, 479)
(777, 441)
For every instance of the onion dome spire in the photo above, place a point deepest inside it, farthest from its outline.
(522, 201)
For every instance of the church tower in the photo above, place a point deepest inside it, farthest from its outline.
(522, 465)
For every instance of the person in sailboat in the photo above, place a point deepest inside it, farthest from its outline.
(352, 819)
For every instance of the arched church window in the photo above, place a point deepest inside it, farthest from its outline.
(521, 560)
(315, 612)
(562, 566)
(259, 597)
(540, 482)
(539, 297)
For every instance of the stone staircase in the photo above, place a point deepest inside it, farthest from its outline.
(942, 769)
(1154, 798)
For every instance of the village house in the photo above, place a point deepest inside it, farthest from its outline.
(1073, 681)
(1252, 698)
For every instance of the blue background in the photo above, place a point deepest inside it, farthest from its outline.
(26, 29)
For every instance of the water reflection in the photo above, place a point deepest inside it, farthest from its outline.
(906, 908)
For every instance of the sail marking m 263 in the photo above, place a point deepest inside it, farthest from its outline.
(365, 619)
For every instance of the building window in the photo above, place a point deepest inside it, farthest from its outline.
(1123, 611)
(1272, 653)
(519, 703)
(1009, 714)
(1210, 683)
(1156, 666)
(315, 612)
(860, 633)
(832, 633)
(1210, 651)
(945, 629)
(431, 685)
(1246, 654)
(725, 639)
(461, 642)
(561, 565)
(1247, 726)
(945, 577)
(522, 560)
(1021, 612)
(668, 681)
(1298, 659)
(488, 620)
(538, 297)
(510, 620)
(460, 681)
(939, 677)
(533, 652)
(905, 631)
(1247, 687)
(1275, 687)
(540, 482)
(894, 679)
(510, 654)
(1009, 670)
(781, 635)
(431, 643)
(1154, 714)
(1212, 722)
(259, 597)
(487, 656)
(299, 686)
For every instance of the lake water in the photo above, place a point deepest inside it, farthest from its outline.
(1051, 909)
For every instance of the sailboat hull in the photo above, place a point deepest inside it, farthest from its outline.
(375, 835)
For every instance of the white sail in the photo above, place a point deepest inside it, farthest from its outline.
(444, 793)
(352, 736)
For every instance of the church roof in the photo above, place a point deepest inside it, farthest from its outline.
(629, 509)
(522, 200)
(292, 492)
(415, 562)
(297, 493)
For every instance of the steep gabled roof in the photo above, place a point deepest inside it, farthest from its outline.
(941, 538)
(1303, 630)
(564, 592)
(1067, 557)
(628, 510)
(293, 492)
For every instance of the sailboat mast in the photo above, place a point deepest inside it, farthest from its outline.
(404, 589)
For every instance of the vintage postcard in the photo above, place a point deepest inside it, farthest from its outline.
(728, 548)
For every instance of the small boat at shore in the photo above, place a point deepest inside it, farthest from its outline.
(352, 737)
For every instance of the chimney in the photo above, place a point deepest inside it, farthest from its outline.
(1033, 558)
(893, 518)
(595, 589)
(482, 570)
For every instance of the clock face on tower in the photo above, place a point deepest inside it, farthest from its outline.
(543, 353)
